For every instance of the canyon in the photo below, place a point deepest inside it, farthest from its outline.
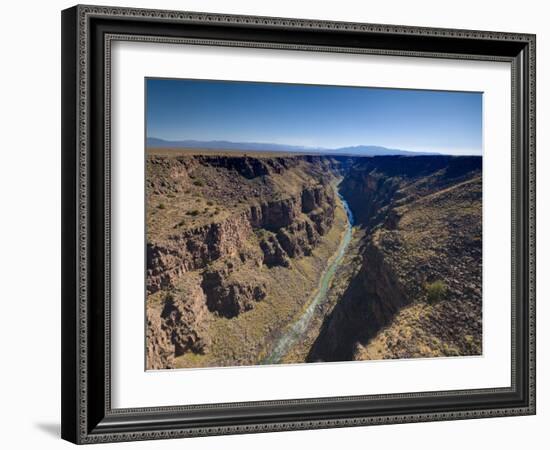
(264, 258)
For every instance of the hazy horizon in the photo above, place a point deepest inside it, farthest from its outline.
(313, 117)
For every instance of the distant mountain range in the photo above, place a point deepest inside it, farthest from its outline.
(358, 150)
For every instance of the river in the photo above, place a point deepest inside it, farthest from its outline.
(299, 328)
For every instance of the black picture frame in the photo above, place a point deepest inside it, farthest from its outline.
(87, 415)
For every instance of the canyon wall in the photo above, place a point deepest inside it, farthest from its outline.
(423, 217)
(256, 212)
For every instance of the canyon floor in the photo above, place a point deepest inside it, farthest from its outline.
(265, 258)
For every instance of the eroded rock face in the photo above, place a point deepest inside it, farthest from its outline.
(160, 351)
(274, 255)
(194, 249)
(298, 224)
(279, 213)
(176, 325)
(296, 234)
(229, 294)
(316, 197)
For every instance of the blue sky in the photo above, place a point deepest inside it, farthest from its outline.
(316, 116)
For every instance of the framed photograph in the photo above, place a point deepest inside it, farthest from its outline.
(278, 224)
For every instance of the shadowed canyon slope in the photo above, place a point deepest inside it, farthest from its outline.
(237, 246)
(418, 290)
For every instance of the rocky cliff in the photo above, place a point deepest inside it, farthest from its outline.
(418, 292)
(176, 324)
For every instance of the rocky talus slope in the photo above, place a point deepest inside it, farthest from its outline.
(222, 232)
(418, 291)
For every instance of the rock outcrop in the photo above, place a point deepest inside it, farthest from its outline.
(296, 234)
(230, 295)
(193, 249)
(176, 325)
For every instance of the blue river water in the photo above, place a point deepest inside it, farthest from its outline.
(299, 328)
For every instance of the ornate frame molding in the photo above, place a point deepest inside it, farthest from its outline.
(80, 418)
